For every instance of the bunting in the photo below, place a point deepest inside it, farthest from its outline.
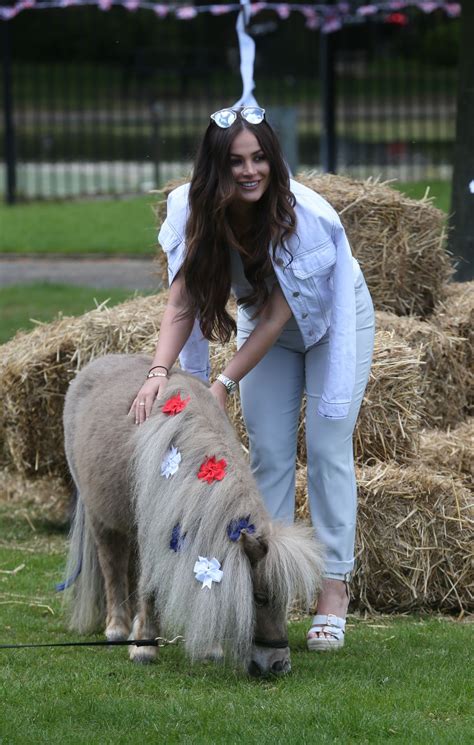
(318, 16)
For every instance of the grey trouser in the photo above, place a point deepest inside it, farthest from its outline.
(271, 397)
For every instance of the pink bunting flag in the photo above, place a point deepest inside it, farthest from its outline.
(331, 24)
(8, 13)
(220, 10)
(428, 7)
(367, 10)
(161, 10)
(283, 10)
(453, 9)
(186, 13)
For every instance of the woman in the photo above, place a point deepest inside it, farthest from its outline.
(305, 324)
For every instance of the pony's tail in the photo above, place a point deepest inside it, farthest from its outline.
(85, 587)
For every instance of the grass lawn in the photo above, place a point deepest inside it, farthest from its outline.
(401, 680)
(19, 304)
(440, 190)
(114, 226)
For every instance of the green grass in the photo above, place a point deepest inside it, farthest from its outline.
(115, 226)
(402, 680)
(19, 304)
(440, 190)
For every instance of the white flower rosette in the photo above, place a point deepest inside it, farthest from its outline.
(208, 571)
(170, 462)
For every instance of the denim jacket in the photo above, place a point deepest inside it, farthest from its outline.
(317, 277)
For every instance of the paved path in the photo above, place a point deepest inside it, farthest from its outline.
(133, 274)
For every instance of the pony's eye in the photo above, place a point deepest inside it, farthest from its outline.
(260, 598)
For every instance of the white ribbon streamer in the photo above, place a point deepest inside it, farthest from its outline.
(247, 57)
(207, 571)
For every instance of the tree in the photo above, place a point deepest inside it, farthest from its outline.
(461, 241)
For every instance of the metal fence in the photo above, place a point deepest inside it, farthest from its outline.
(126, 124)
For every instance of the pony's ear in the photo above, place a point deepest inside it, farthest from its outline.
(254, 546)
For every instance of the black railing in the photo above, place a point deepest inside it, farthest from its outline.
(107, 120)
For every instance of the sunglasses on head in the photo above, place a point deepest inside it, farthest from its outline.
(226, 117)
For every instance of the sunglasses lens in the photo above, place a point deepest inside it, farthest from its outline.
(224, 118)
(253, 114)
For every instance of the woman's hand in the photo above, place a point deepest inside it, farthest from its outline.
(145, 398)
(220, 394)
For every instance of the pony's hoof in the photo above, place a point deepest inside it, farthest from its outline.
(116, 634)
(214, 654)
(142, 655)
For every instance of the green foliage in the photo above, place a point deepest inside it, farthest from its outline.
(397, 679)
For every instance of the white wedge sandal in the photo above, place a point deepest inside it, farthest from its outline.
(328, 624)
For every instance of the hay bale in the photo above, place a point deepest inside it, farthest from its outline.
(390, 415)
(450, 451)
(45, 498)
(36, 367)
(455, 315)
(444, 377)
(414, 539)
(399, 242)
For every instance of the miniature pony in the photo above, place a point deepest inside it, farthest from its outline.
(170, 525)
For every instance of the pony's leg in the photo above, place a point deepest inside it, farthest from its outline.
(113, 550)
(144, 627)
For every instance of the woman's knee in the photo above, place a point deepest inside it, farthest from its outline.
(328, 448)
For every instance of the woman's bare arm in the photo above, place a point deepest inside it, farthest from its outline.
(271, 321)
(174, 333)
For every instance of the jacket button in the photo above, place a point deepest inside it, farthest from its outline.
(311, 333)
(305, 315)
(296, 294)
(279, 262)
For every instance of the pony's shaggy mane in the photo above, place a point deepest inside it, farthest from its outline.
(223, 615)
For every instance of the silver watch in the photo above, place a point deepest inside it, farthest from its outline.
(229, 385)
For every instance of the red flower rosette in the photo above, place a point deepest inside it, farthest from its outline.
(175, 404)
(212, 470)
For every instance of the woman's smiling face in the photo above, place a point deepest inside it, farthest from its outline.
(250, 167)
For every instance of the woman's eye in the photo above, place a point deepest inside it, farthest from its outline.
(234, 163)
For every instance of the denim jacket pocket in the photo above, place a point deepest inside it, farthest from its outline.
(315, 261)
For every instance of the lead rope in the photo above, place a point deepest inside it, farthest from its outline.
(158, 641)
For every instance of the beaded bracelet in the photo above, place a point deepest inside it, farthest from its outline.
(156, 375)
(161, 366)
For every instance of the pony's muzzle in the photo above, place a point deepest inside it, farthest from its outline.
(269, 662)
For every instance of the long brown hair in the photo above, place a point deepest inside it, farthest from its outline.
(209, 235)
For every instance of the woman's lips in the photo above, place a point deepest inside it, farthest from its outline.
(248, 185)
